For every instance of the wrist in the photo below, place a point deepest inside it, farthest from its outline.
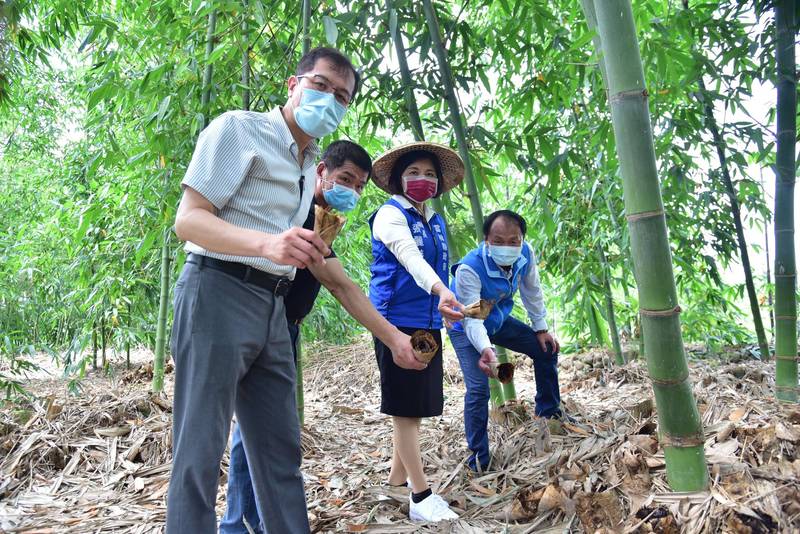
(264, 245)
(394, 339)
(437, 288)
(543, 331)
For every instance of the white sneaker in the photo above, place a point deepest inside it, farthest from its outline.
(432, 508)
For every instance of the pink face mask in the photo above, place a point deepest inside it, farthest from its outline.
(420, 188)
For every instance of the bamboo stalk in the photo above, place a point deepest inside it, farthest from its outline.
(455, 116)
(103, 342)
(785, 168)
(612, 322)
(161, 328)
(94, 345)
(719, 144)
(245, 58)
(496, 393)
(411, 102)
(299, 386)
(128, 341)
(509, 390)
(298, 347)
(163, 305)
(205, 97)
(306, 26)
(626, 264)
(591, 19)
(680, 429)
(769, 283)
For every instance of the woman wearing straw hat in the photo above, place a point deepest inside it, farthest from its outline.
(409, 288)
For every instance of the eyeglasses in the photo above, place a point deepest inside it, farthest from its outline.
(321, 83)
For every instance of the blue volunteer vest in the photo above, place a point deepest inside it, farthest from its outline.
(393, 291)
(494, 284)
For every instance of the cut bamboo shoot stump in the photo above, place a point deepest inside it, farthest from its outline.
(479, 309)
(504, 372)
(327, 224)
(424, 345)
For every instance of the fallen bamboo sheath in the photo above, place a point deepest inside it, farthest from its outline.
(424, 345)
(479, 309)
(504, 372)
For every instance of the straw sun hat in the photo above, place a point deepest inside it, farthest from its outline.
(452, 166)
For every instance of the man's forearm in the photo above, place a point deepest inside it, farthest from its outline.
(205, 229)
(361, 309)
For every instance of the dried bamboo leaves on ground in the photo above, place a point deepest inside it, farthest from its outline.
(100, 462)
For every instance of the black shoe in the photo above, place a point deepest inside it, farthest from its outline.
(562, 417)
(483, 469)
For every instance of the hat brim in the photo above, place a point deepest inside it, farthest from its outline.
(450, 161)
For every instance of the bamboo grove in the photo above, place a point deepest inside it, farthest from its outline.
(101, 102)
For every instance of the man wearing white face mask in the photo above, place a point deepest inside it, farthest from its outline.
(244, 204)
(502, 265)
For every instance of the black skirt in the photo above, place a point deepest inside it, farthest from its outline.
(410, 393)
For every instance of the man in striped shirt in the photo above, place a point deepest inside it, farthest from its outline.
(244, 203)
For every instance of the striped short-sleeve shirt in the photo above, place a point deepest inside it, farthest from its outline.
(246, 164)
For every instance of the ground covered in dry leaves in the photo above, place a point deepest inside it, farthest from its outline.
(100, 462)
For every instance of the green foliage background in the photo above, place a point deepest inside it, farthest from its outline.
(100, 109)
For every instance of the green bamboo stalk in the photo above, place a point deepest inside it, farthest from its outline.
(769, 283)
(103, 342)
(591, 20)
(736, 215)
(786, 388)
(612, 322)
(94, 345)
(298, 347)
(737, 221)
(161, 328)
(245, 58)
(299, 386)
(509, 391)
(205, 97)
(411, 101)
(163, 305)
(455, 116)
(680, 429)
(496, 393)
(306, 26)
(626, 264)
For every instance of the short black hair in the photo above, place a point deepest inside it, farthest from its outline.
(405, 161)
(340, 62)
(341, 151)
(507, 214)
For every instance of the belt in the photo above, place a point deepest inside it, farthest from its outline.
(278, 285)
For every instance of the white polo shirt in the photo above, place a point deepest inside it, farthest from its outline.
(246, 164)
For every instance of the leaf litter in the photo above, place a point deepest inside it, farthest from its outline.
(100, 462)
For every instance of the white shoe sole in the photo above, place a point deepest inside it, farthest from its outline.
(419, 519)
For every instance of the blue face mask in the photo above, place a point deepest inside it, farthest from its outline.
(504, 256)
(318, 113)
(341, 198)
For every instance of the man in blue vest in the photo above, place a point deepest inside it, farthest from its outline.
(501, 265)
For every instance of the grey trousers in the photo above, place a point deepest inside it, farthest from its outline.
(232, 353)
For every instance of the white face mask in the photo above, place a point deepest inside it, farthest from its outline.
(505, 256)
(318, 113)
